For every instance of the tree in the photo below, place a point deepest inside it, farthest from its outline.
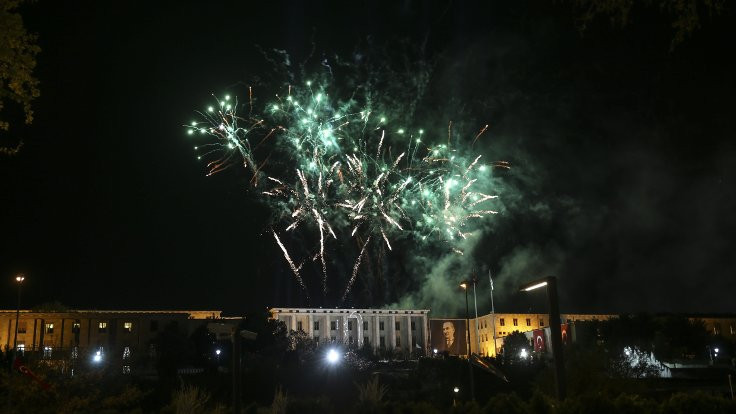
(513, 344)
(18, 50)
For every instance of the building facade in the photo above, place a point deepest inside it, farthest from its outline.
(391, 329)
(66, 335)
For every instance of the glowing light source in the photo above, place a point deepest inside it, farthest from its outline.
(218, 352)
(456, 390)
(97, 357)
(523, 353)
(535, 286)
(333, 357)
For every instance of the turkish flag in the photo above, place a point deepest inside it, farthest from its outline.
(565, 333)
(539, 345)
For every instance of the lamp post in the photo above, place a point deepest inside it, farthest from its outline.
(18, 279)
(465, 286)
(554, 325)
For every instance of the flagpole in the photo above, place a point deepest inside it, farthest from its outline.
(475, 302)
(493, 314)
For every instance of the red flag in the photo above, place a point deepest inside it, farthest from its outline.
(539, 345)
(27, 371)
(565, 333)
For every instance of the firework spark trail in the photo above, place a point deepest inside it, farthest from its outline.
(291, 264)
(355, 270)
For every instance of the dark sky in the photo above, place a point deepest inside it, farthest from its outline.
(623, 151)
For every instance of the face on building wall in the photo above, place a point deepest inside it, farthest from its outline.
(448, 330)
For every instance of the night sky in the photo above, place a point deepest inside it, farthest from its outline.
(623, 152)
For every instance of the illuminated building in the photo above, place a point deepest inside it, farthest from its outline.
(392, 329)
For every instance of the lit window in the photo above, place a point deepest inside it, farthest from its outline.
(528, 322)
(128, 326)
(49, 328)
(47, 352)
(516, 322)
(21, 347)
(76, 326)
(502, 322)
(102, 327)
(126, 352)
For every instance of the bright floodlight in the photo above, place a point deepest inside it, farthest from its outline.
(97, 357)
(434, 351)
(332, 356)
(217, 351)
(456, 390)
(464, 285)
(534, 286)
(523, 353)
(20, 278)
(716, 350)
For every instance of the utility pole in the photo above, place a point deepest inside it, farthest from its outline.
(493, 314)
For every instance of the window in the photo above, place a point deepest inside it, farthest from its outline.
(398, 341)
(102, 327)
(365, 326)
(528, 322)
(516, 322)
(380, 326)
(128, 326)
(541, 322)
(76, 326)
(350, 325)
(47, 352)
(413, 326)
(413, 340)
(502, 322)
(21, 347)
(397, 325)
(22, 325)
(75, 352)
(154, 326)
(333, 325)
(365, 340)
(49, 328)
(126, 369)
(299, 326)
(383, 342)
(126, 352)
(316, 325)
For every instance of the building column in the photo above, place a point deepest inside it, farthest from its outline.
(425, 334)
(376, 333)
(325, 331)
(292, 322)
(409, 334)
(392, 331)
(359, 330)
(310, 326)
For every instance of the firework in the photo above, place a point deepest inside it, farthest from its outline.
(342, 172)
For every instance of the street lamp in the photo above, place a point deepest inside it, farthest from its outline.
(465, 285)
(19, 280)
(554, 325)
